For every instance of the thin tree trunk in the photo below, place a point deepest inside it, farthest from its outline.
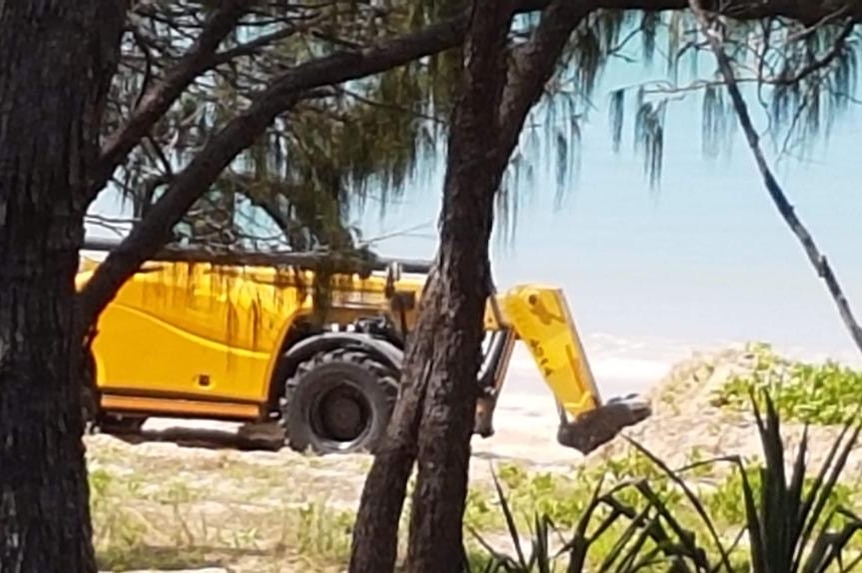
(56, 59)
(375, 533)
(473, 176)
(776, 193)
(444, 353)
(437, 406)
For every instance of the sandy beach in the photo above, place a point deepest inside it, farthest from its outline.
(526, 418)
(239, 488)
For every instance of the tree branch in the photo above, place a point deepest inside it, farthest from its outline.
(818, 260)
(289, 88)
(253, 46)
(533, 66)
(157, 100)
(268, 206)
(203, 54)
(151, 233)
(820, 63)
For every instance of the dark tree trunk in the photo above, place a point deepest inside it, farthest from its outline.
(56, 59)
(375, 534)
(473, 176)
(435, 414)
(439, 398)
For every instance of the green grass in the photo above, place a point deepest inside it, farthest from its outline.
(149, 522)
(275, 517)
(814, 393)
(164, 528)
(563, 501)
(144, 525)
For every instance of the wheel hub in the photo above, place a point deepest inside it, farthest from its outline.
(343, 414)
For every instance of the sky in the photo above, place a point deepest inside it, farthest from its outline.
(650, 274)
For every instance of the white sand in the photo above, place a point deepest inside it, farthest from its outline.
(683, 419)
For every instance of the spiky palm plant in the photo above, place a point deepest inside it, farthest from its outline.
(789, 528)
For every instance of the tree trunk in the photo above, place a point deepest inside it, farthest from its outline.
(375, 533)
(473, 176)
(445, 350)
(436, 408)
(56, 59)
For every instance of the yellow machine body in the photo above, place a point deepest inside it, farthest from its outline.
(191, 339)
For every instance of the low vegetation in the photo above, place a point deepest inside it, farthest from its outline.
(813, 393)
(775, 523)
(216, 510)
(259, 512)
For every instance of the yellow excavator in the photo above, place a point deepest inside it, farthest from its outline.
(253, 337)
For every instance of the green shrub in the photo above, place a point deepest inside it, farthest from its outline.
(790, 524)
(823, 394)
(559, 497)
(726, 505)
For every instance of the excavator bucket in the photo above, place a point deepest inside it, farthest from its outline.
(601, 424)
(541, 318)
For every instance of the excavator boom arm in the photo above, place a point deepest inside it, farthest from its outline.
(540, 317)
(542, 320)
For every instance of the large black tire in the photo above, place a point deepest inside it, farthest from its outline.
(339, 401)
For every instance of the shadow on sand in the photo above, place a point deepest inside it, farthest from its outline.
(257, 437)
